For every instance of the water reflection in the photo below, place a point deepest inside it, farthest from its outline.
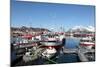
(71, 42)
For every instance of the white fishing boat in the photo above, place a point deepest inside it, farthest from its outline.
(87, 43)
(51, 40)
(49, 52)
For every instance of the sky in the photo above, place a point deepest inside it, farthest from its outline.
(50, 15)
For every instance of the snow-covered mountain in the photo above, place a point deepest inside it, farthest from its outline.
(82, 28)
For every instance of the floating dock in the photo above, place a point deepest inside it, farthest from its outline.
(81, 52)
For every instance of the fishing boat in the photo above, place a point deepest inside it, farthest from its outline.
(49, 52)
(51, 40)
(87, 42)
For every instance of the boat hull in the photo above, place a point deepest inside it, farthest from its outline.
(87, 45)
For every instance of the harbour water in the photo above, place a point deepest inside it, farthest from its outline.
(69, 58)
(71, 43)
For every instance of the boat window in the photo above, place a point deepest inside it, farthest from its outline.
(86, 40)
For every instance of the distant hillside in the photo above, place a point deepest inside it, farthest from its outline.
(24, 29)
